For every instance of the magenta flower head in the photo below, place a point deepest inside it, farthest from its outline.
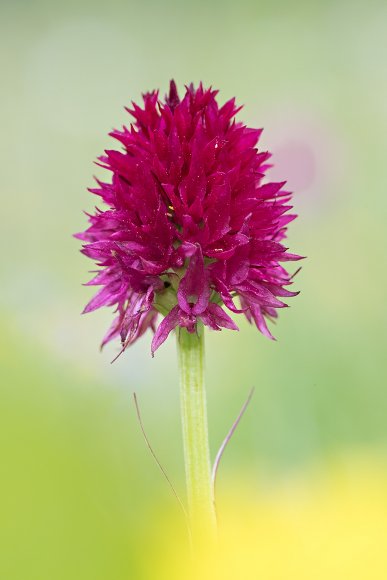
(189, 227)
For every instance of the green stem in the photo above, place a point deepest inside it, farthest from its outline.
(195, 431)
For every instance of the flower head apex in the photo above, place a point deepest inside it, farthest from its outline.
(189, 225)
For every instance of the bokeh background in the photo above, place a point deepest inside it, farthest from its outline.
(303, 482)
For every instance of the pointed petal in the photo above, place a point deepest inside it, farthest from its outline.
(165, 327)
(194, 289)
(260, 321)
(215, 317)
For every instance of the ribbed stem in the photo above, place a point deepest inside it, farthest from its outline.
(190, 348)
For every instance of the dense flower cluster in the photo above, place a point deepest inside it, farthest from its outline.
(190, 225)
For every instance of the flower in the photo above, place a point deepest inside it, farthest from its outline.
(190, 225)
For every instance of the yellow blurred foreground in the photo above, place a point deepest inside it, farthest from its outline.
(332, 525)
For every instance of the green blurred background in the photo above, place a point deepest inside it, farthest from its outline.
(79, 494)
